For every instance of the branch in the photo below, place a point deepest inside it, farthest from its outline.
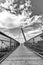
(7, 10)
(4, 8)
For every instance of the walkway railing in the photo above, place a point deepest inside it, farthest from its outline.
(36, 43)
(7, 46)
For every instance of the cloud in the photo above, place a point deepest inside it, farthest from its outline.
(8, 20)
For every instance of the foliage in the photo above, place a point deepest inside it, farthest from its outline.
(17, 7)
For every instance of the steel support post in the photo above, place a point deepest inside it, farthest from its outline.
(23, 34)
(10, 43)
(1, 44)
(33, 41)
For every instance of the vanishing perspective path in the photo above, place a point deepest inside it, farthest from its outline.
(23, 56)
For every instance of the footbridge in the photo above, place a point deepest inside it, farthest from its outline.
(28, 53)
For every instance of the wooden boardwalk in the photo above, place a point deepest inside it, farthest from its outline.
(23, 56)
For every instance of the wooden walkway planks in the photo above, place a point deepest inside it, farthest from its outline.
(23, 56)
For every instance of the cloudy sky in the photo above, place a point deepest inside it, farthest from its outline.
(9, 21)
(37, 6)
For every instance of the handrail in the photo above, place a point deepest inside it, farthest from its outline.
(10, 39)
(35, 36)
(9, 48)
(7, 35)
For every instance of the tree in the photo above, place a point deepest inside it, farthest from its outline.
(17, 7)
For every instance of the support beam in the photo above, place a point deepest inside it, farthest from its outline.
(10, 43)
(23, 34)
(1, 44)
(33, 41)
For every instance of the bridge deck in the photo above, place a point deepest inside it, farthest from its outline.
(23, 56)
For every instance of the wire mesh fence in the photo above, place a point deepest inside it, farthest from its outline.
(7, 45)
(36, 43)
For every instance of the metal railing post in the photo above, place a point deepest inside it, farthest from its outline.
(10, 43)
(33, 41)
(1, 44)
